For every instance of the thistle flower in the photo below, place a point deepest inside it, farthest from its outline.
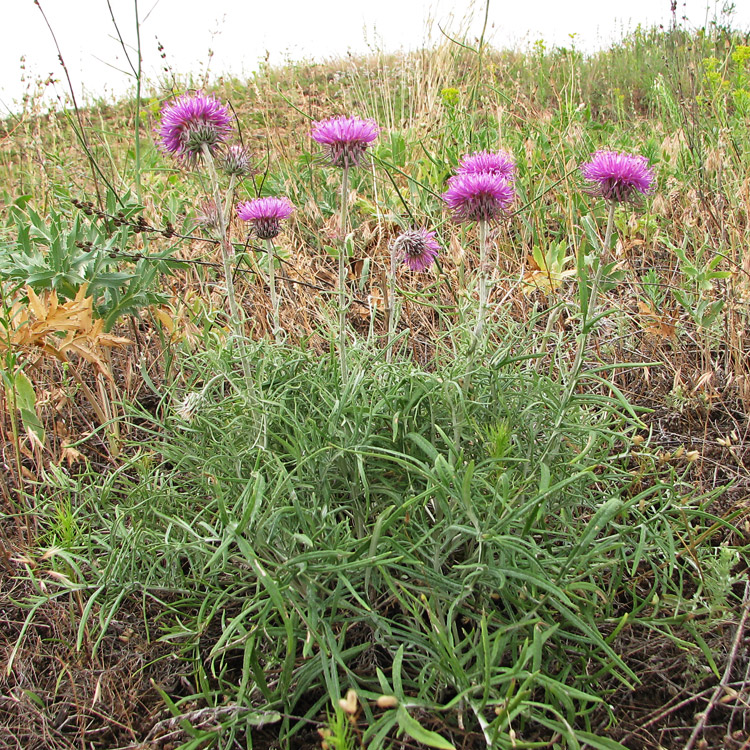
(266, 215)
(478, 196)
(618, 177)
(236, 161)
(191, 122)
(495, 162)
(345, 139)
(417, 248)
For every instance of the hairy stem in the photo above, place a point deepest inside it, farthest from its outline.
(342, 275)
(227, 256)
(588, 315)
(391, 308)
(272, 287)
(483, 286)
(227, 208)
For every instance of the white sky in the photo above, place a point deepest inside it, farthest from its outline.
(242, 32)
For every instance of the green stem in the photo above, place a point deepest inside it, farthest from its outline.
(342, 275)
(477, 336)
(227, 255)
(591, 307)
(272, 286)
(228, 199)
(483, 286)
(588, 315)
(391, 309)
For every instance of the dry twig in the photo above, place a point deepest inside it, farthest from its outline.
(724, 683)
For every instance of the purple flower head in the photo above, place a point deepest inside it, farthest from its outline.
(494, 162)
(417, 248)
(236, 161)
(345, 139)
(192, 121)
(478, 196)
(618, 177)
(266, 215)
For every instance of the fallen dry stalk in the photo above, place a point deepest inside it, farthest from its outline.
(723, 685)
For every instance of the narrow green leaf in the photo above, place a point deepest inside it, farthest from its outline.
(416, 731)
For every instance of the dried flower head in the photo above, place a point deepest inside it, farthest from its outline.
(186, 408)
(209, 215)
(236, 161)
(494, 162)
(478, 196)
(618, 177)
(345, 139)
(417, 248)
(191, 122)
(266, 215)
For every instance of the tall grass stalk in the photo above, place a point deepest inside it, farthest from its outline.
(138, 83)
(138, 75)
(480, 55)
